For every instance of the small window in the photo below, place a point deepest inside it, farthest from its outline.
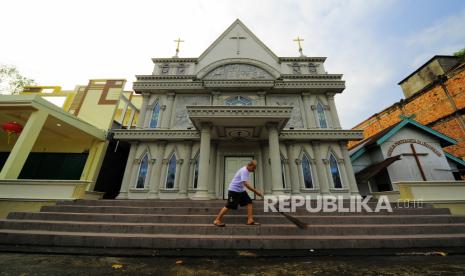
(307, 172)
(165, 69)
(171, 173)
(295, 68)
(143, 169)
(238, 100)
(155, 115)
(320, 110)
(283, 174)
(196, 173)
(181, 70)
(311, 68)
(335, 173)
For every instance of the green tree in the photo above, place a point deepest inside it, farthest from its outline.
(11, 81)
(460, 53)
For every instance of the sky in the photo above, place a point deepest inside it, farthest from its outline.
(373, 43)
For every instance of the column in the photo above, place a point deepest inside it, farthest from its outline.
(155, 172)
(294, 173)
(308, 110)
(333, 110)
(143, 110)
(23, 146)
(349, 169)
(266, 169)
(177, 176)
(169, 108)
(202, 186)
(275, 159)
(320, 168)
(213, 171)
(123, 193)
(184, 180)
(261, 98)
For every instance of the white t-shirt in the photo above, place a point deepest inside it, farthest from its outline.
(236, 184)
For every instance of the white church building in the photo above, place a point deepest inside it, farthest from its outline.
(203, 118)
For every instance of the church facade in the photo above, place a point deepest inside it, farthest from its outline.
(203, 118)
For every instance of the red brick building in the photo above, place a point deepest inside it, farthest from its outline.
(435, 94)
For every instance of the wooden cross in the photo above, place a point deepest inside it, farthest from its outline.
(298, 40)
(177, 45)
(415, 154)
(238, 38)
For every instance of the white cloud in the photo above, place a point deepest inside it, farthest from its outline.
(69, 42)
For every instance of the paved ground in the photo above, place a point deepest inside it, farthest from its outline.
(37, 264)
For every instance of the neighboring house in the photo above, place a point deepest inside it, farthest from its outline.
(203, 118)
(405, 151)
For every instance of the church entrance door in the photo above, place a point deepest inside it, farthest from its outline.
(231, 166)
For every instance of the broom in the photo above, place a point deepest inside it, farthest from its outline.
(297, 222)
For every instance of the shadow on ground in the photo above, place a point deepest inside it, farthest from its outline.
(37, 264)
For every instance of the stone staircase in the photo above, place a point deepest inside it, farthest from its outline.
(184, 227)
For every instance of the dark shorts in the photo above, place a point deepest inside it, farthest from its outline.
(237, 198)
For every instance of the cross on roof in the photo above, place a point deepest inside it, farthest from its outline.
(298, 40)
(238, 38)
(178, 41)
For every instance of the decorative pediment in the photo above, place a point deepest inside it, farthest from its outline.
(238, 71)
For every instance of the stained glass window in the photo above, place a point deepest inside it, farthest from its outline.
(155, 115)
(196, 173)
(321, 115)
(238, 100)
(335, 173)
(143, 168)
(171, 174)
(283, 174)
(307, 172)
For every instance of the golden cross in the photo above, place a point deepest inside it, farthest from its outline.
(298, 40)
(177, 45)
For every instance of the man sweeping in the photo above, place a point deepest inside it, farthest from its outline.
(237, 195)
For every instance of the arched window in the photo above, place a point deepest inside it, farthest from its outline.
(307, 172)
(335, 173)
(238, 100)
(283, 174)
(171, 173)
(155, 115)
(143, 169)
(196, 172)
(320, 110)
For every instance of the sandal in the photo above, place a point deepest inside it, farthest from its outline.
(219, 224)
(253, 223)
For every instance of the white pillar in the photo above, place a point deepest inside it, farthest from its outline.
(184, 180)
(155, 172)
(333, 110)
(202, 186)
(267, 188)
(294, 172)
(128, 171)
(165, 123)
(275, 159)
(320, 168)
(143, 110)
(213, 170)
(349, 169)
(308, 111)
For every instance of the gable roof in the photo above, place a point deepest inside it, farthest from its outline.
(387, 133)
(228, 30)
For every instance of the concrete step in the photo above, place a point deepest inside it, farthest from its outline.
(214, 211)
(235, 218)
(234, 242)
(192, 203)
(234, 229)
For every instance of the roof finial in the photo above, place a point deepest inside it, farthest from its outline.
(298, 40)
(178, 41)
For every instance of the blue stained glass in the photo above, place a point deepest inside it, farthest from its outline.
(196, 173)
(171, 173)
(143, 168)
(282, 174)
(155, 114)
(321, 115)
(307, 172)
(334, 169)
